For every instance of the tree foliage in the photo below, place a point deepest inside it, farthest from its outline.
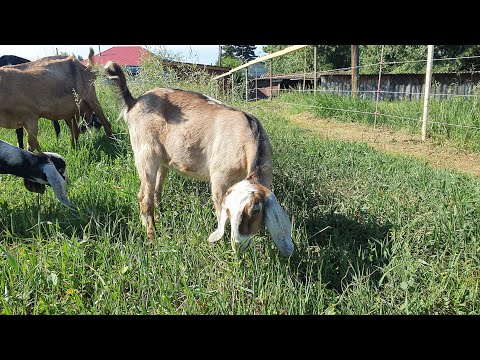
(244, 53)
(398, 58)
(230, 61)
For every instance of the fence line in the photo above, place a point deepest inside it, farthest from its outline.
(371, 113)
(366, 91)
(392, 63)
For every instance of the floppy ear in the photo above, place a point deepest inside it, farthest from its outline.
(218, 234)
(278, 224)
(57, 183)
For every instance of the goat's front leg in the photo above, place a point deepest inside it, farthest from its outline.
(32, 129)
(74, 130)
(219, 189)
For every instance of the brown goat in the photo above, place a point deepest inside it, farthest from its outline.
(54, 87)
(204, 139)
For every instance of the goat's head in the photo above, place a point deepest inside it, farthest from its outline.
(59, 163)
(54, 169)
(249, 205)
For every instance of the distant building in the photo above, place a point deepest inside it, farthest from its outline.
(130, 58)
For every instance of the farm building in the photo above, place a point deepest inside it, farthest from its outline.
(392, 86)
(130, 58)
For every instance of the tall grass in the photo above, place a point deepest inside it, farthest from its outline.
(451, 120)
(374, 234)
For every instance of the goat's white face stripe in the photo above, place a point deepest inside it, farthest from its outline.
(235, 202)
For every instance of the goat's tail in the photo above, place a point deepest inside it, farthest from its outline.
(90, 57)
(115, 73)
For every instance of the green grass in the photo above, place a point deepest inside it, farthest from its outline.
(463, 115)
(373, 233)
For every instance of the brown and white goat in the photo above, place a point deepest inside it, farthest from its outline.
(204, 139)
(54, 87)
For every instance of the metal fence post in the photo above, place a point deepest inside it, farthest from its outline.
(428, 82)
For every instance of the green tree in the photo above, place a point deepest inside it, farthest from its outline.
(328, 57)
(244, 53)
(398, 58)
(228, 51)
(230, 61)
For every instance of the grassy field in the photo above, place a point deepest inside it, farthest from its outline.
(463, 115)
(374, 234)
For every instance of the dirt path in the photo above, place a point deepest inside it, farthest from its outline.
(393, 141)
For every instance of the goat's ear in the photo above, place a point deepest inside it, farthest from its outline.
(278, 224)
(58, 184)
(218, 234)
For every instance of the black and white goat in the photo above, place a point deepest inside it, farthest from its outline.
(37, 170)
(202, 138)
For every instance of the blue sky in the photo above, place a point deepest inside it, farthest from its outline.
(200, 54)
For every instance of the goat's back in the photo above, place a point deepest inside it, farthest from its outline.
(44, 87)
(198, 135)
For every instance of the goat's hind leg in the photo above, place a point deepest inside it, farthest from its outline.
(19, 132)
(161, 173)
(147, 171)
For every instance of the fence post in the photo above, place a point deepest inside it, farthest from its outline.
(428, 81)
(315, 70)
(271, 95)
(232, 89)
(304, 68)
(378, 87)
(355, 72)
(246, 84)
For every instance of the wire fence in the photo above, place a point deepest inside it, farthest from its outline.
(310, 85)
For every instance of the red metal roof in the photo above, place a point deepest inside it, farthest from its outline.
(122, 55)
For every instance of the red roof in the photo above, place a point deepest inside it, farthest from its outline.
(122, 55)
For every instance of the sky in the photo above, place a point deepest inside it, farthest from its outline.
(199, 54)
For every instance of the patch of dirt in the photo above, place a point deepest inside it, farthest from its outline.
(392, 141)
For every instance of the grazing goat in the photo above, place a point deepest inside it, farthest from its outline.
(54, 87)
(202, 138)
(15, 60)
(37, 170)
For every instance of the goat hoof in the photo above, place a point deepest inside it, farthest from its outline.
(215, 236)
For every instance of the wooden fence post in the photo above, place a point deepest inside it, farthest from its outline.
(355, 72)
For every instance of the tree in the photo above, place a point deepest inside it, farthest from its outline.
(398, 58)
(230, 62)
(244, 53)
(328, 57)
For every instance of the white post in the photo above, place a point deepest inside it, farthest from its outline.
(246, 84)
(428, 81)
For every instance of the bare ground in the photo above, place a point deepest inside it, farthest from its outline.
(392, 141)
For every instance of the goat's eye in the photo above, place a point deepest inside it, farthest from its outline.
(256, 209)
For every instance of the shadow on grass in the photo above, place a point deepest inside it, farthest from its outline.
(34, 219)
(339, 249)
